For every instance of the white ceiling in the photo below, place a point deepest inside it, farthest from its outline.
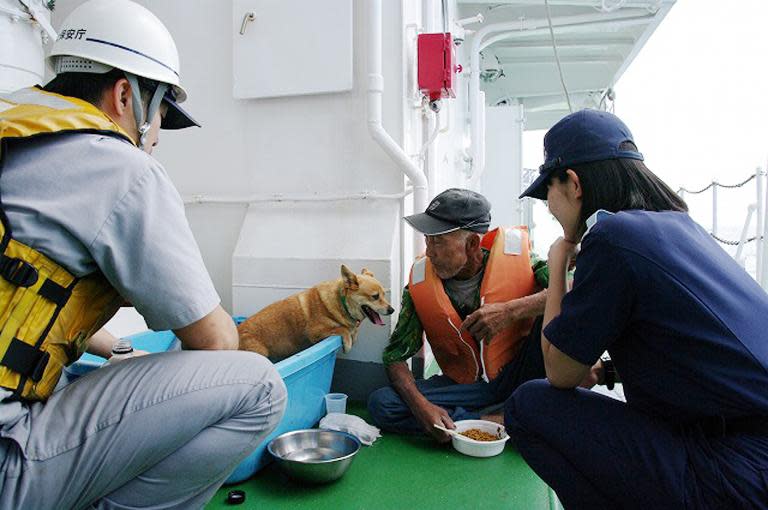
(596, 42)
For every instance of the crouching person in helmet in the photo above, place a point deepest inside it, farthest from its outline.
(89, 221)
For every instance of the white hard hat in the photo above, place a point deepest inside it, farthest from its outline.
(100, 35)
(120, 34)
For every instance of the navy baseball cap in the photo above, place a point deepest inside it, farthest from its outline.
(581, 137)
(453, 209)
(175, 117)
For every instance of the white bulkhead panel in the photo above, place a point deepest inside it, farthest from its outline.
(287, 48)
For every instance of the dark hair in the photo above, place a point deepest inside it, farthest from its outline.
(621, 184)
(90, 87)
(86, 86)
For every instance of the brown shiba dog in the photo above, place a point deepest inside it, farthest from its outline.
(335, 307)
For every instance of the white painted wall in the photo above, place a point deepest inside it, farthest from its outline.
(310, 144)
(451, 158)
(501, 180)
(312, 242)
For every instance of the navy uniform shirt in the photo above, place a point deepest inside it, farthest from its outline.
(686, 326)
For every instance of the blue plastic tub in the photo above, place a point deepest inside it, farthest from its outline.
(307, 376)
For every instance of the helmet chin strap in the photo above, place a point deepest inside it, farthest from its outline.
(142, 123)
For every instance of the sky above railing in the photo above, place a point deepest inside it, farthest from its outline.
(696, 100)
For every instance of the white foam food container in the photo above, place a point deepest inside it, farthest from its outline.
(475, 448)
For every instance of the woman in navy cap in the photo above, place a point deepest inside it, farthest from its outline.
(685, 327)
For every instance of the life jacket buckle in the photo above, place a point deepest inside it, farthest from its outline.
(19, 272)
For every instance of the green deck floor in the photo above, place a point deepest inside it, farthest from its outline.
(404, 471)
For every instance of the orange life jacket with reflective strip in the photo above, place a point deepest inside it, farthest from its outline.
(46, 313)
(508, 275)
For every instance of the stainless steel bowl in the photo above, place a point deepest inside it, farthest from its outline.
(314, 455)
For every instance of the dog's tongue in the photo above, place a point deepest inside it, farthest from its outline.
(373, 316)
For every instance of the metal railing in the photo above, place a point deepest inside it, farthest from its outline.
(761, 271)
(525, 206)
(758, 209)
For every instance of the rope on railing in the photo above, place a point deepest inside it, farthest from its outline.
(715, 183)
(732, 243)
(728, 186)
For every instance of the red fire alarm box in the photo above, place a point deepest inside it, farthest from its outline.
(437, 71)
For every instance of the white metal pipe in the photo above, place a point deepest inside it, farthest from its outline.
(540, 26)
(447, 116)
(762, 271)
(528, 218)
(759, 227)
(432, 129)
(429, 152)
(278, 286)
(279, 197)
(512, 29)
(478, 160)
(375, 125)
(517, 153)
(581, 42)
(270, 286)
(18, 14)
(432, 11)
(596, 4)
(743, 238)
(714, 209)
(42, 16)
(517, 33)
(762, 240)
(477, 18)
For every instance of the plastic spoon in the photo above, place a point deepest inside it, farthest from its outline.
(450, 432)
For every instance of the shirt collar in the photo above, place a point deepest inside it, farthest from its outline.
(598, 215)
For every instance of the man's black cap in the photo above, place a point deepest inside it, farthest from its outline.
(453, 209)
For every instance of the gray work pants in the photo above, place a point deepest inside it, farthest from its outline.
(159, 431)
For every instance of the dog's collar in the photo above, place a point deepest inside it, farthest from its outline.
(344, 305)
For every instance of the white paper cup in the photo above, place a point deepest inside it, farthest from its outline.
(335, 403)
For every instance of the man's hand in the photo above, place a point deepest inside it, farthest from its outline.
(488, 320)
(136, 354)
(425, 412)
(428, 414)
(100, 344)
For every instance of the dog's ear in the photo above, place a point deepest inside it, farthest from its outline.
(366, 272)
(350, 279)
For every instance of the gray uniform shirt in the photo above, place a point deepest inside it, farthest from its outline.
(93, 202)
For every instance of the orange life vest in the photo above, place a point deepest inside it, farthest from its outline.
(508, 275)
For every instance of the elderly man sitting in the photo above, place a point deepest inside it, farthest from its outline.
(479, 297)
